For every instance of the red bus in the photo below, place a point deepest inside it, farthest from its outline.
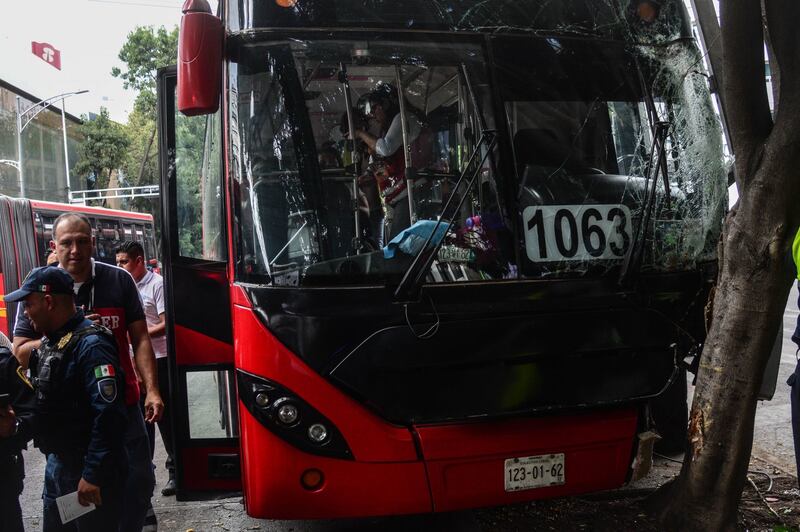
(561, 171)
(26, 229)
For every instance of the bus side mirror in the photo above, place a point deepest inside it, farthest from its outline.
(200, 45)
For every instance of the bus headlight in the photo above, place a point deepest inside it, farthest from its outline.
(286, 415)
(262, 400)
(317, 432)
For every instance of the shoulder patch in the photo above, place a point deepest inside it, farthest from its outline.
(23, 377)
(107, 389)
(64, 341)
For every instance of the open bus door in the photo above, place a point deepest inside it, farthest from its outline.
(202, 393)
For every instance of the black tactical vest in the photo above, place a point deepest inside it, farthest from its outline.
(66, 417)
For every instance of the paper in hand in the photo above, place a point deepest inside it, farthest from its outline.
(70, 509)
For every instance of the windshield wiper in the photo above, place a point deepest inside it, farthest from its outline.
(412, 280)
(633, 258)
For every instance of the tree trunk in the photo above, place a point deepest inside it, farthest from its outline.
(706, 495)
(146, 157)
(755, 272)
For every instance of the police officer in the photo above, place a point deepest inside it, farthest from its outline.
(16, 428)
(794, 378)
(79, 402)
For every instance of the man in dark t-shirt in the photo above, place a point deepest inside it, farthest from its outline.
(108, 296)
(114, 304)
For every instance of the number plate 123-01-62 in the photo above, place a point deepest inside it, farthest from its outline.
(534, 472)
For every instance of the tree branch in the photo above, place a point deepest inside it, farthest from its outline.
(782, 17)
(146, 156)
(745, 91)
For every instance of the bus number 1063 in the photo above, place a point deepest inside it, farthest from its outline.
(576, 232)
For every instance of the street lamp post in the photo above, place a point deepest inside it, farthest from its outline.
(22, 124)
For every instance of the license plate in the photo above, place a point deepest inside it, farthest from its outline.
(534, 472)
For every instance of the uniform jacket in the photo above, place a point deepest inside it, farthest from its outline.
(81, 400)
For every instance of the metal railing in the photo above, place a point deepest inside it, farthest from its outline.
(99, 194)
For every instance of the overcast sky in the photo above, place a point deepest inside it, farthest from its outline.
(89, 34)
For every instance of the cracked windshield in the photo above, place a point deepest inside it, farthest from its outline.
(519, 156)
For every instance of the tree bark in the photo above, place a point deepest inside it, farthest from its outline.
(756, 272)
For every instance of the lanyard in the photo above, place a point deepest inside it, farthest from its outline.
(91, 291)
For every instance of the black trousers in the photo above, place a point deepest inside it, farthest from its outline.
(794, 396)
(794, 399)
(11, 484)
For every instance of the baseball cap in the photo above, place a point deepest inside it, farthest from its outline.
(44, 280)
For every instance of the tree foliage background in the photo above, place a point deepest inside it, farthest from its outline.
(103, 150)
(146, 50)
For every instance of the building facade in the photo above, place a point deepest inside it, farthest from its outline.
(44, 169)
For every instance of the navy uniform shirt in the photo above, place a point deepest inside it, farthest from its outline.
(112, 293)
(92, 377)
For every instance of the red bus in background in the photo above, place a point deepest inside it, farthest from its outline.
(562, 169)
(26, 229)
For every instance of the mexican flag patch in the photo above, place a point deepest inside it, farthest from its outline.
(104, 371)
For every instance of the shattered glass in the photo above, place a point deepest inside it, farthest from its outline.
(608, 144)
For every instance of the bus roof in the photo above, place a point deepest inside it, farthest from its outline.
(85, 209)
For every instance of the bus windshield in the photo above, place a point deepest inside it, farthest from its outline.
(561, 194)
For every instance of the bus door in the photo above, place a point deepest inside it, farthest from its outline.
(198, 307)
(17, 252)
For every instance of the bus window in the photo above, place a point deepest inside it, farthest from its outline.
(42, 245)
(199, 181)
(47, 235)
(212, 404)
(582, 122)
(107, 238)
(297, 191)
(127, 231)
(151, 250)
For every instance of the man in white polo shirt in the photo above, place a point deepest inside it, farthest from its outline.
(130, 256)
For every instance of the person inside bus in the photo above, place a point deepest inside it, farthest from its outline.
(328, 156)
(388, 158)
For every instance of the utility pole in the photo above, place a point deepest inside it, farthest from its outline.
(19, 149)
(66, 151)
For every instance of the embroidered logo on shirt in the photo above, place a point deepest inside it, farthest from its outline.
(108, 389)
(104, 371)
(64, 341)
